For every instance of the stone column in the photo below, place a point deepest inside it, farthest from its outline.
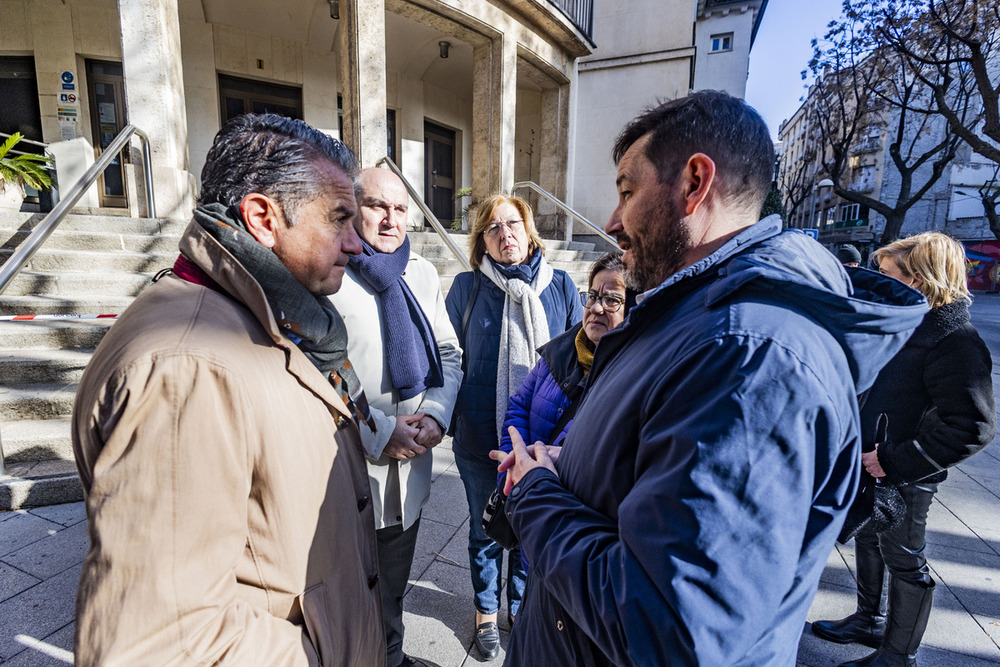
(494, 93)
(154, 97)
(361, 40)
(410, 125)
(554, 150)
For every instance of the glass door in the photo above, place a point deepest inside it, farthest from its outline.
(106, 88)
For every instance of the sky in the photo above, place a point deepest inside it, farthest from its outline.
(780, 53)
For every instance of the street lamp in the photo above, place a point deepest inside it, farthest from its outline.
(825, 183)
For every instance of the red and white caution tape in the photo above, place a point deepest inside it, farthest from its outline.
(55, 316)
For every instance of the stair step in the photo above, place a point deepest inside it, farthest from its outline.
(43, 366)
(41, 334)
(40, 401)
(109, 224)
(39, 484)
(34, 440)
(78, 284)
(103, 242)
(39, 305)
(90, 260)
(439, 251)
(461, 239)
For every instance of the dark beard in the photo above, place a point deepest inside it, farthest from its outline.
(660, 254)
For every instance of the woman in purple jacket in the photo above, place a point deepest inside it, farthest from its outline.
(548, 396)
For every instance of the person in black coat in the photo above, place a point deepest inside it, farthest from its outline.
(935, 398)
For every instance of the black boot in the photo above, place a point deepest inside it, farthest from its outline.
(909, 610)
(859, 627)
(866, 625)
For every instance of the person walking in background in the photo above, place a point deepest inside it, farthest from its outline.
(715, 453)
(936, 400)
(221, 414)
(406, 354)
(511, 303)
(848, 255)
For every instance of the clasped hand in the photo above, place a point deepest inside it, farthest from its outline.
(413, 435)
(517, 462)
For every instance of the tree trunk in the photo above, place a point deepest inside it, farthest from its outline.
(893, 223)
(993, 216)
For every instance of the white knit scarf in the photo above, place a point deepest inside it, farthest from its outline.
(524, 328)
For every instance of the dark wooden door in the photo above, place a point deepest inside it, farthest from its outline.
(439, 171)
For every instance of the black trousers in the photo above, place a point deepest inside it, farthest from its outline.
(901, 549)
(395, 556)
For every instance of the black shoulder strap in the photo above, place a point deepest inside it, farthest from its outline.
(567, 415)
(469, 305)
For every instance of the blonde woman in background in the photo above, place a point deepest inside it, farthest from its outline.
(936, 396)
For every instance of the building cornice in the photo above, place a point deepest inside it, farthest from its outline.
(708, 7)
(637, 59)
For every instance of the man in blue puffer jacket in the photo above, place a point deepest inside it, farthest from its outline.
(712, 460)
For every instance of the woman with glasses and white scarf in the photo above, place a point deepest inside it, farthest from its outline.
(510, 304)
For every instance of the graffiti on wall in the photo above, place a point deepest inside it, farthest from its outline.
(983, 265)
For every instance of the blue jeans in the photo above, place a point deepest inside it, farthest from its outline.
(485, 555)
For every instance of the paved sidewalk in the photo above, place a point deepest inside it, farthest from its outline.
(41, 551)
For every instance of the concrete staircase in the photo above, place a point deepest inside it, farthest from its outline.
(94, 265)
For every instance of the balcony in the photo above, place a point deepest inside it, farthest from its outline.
(848, 224)
(580, 13)
(862, 185)
(846, 231)
(869, 145)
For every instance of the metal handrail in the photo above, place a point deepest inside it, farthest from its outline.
(535, 187)
(49, 166)
(27, 250)
(428, 214)
(25, 140)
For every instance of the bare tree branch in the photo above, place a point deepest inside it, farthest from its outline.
(865, 86)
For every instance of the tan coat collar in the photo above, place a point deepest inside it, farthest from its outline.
(198, 246)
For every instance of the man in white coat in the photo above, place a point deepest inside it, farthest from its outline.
(406, 354)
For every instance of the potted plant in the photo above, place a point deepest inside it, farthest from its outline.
(459, 222)
(16, 171)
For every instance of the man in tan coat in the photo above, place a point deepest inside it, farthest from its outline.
(216, 431)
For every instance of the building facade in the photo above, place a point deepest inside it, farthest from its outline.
(464, 95)
(951, 205)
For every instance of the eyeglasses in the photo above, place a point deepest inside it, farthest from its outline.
(611, 303)
(511, 226)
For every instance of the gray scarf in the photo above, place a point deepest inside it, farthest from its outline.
(311, 322)
(523, 330)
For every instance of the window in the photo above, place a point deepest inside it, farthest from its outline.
(850, 212)
(240, 96)
(722, 42)
(390, 122)
(826, 218)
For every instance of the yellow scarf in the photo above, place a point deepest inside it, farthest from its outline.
(584, 350)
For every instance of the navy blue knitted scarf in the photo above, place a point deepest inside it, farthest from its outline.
(411, 351)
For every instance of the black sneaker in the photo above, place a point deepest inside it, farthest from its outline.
(488, 640)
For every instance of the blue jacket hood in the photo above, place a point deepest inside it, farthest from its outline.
(870, 315)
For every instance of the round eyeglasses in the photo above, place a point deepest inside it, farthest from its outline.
(511, 225)
(611, 303)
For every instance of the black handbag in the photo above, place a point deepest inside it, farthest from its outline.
(879, 505)
(495, 521)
